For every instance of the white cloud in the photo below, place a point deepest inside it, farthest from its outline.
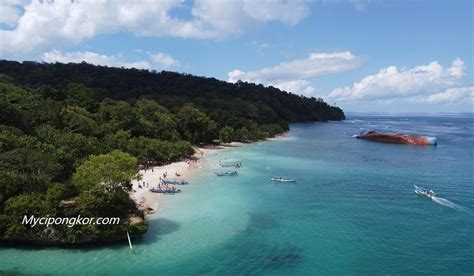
(300, 87)
(232, 17)
(393, 83)
(157, 61)
(451, 95)
(458, 69)
(164, 60)
(293, 76)
(10, 11)
(44, 24)
(317, 64)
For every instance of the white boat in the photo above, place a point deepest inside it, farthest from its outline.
(174, 181)
(226, 173)
(427, 193)
(230, 164)
(171, 190)
(283, 179)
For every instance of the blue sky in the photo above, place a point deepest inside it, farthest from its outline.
(390, 56)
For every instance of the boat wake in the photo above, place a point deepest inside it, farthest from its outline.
(448, 203)
(439, 200)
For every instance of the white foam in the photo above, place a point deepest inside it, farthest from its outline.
(448, 203)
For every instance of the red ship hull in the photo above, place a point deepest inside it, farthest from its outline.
(397, 138)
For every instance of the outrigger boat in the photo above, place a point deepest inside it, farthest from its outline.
(226, 173)
(171, 190)
(174, 181)
(230, 164)
(427, 193)
(283, 179)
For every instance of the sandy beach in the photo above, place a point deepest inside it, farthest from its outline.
(149, 201)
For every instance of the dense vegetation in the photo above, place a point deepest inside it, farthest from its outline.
(72, 137)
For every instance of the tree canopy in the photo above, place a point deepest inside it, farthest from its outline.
(77, 133)
(113, 170)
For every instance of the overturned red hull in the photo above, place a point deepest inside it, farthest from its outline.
(397, 138)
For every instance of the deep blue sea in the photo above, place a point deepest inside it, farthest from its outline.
(352, 211)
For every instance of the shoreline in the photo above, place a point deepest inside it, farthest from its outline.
(149, 202)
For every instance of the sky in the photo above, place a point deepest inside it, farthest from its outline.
(361, 55)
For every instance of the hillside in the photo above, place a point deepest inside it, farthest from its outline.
(169, 88)
(72, 137)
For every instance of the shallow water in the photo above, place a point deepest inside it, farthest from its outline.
(353, 210)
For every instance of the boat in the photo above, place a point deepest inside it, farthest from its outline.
(230, 164)
(174, 181)
(232, 173)
(397, 138)
(283, 179)
(424, 192)
(171, 190)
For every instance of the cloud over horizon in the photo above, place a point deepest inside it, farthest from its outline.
(63, 22)
(293, 76)
(155, 61)
(392, 82)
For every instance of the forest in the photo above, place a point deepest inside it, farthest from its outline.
(72, 137)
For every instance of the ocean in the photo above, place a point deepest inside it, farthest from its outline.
(352, 211)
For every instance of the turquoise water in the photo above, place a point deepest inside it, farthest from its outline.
(352, 211)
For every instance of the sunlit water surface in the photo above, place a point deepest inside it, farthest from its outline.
(353, 210)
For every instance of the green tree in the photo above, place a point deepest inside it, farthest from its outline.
(81, 95)
(29, 169)
(70, 148)
(242, 135)
(118, 140)
(78, 119)
(99, 202)
(226, 134)
(58, 191)
(117, 115)
(157, 151)
(271, 129)
(19, 206)
(114, 171)
(195, 125)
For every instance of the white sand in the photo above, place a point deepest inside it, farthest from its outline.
(147, 200)
(151, 176)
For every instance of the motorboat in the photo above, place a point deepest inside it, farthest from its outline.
(424, 192)
(230, 164)
(282, 179)
(232, 173)
(165, 190)
(174, 181)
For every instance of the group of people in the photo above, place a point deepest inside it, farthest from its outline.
(145, 167)
(192, 161)
(143, 185)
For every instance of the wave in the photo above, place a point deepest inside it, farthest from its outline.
(448, 203)
(354, 121)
